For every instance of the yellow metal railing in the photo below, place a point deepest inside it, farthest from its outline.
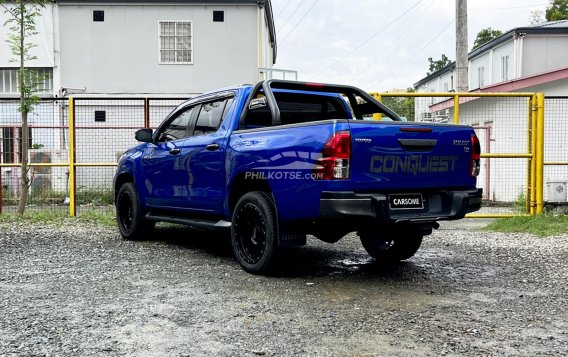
(534, 154)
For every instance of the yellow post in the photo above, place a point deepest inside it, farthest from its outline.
(540, 153)
(72, 187)
(528, 180)
(378, 116)
(534, 130)
(456, 109)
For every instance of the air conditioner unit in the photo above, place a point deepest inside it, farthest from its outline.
(53, 178)
(7, 181)
(556, 190)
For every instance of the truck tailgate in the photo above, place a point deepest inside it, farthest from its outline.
(395, 156)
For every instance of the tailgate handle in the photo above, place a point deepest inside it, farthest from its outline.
(417, 144)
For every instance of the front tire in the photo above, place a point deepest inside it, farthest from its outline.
(392, 245)
(254, 234)
(129, 215)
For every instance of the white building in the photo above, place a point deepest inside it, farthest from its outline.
(148, 47)
(529, 59)
(526, 59)
(110, 49)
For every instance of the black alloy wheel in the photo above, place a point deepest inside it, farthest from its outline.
(253, 232)
(131, 222)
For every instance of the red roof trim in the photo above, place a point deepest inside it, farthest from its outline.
(525, 82)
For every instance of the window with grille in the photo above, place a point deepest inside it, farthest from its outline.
(175, 42)
(481, 76)
(8, 140)
(9, 80)
(505, 68)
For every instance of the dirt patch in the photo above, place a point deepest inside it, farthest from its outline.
(81, 290)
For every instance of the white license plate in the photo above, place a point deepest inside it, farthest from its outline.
(406, 201)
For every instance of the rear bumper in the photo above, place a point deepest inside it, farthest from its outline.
(438, 205)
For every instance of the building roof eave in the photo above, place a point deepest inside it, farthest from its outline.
(450, 67)
(267, 4)
(271, 27)
(163, 2)
(555, 28)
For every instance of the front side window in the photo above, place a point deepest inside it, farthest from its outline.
(176, 42)
(178, 127)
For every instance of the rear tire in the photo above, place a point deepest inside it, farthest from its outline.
(254, 234)
(392, 245)
(129, 215)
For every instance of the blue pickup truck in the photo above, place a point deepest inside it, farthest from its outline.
(280, 160)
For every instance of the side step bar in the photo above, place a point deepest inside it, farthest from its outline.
(198, 223)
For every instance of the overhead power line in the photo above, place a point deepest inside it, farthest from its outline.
(283, 10)
(412, 57)
(368, 39)
(289, 17)
(395, 40)
(298, 23)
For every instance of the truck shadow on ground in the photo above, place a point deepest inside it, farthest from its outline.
(316, 259)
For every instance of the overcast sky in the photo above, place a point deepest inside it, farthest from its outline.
(380, 45)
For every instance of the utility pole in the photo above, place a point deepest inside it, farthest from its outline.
(461, 46)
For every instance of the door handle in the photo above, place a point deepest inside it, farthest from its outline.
(212, 147)
(175, 151)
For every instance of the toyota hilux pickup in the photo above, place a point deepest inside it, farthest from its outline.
(280, 160)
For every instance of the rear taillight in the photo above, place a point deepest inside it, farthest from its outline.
(334, 163)
(475, 156)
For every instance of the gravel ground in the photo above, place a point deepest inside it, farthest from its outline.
(82, 291)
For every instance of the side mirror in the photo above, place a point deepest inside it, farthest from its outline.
(144, 135)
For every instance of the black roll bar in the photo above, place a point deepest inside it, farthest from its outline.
(350, 91)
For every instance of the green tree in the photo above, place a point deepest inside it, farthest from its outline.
(558, 10)
(438, 64)
(403, 106)
(21, 24)
(485, 36)
(536, 17)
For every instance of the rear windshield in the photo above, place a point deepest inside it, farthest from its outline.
(298, 108)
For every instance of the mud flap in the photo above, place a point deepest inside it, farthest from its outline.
(289, 237)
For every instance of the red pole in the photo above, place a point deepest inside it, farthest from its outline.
(146, 113)
(1, 190)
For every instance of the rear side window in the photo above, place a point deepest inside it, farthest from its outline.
(299, 108)
(211, 115)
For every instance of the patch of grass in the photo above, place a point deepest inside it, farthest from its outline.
(103, 218)
(520, 204)
(100, 196)
(542, 225)
(36, 216)
(60, 217)
(95, 196)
